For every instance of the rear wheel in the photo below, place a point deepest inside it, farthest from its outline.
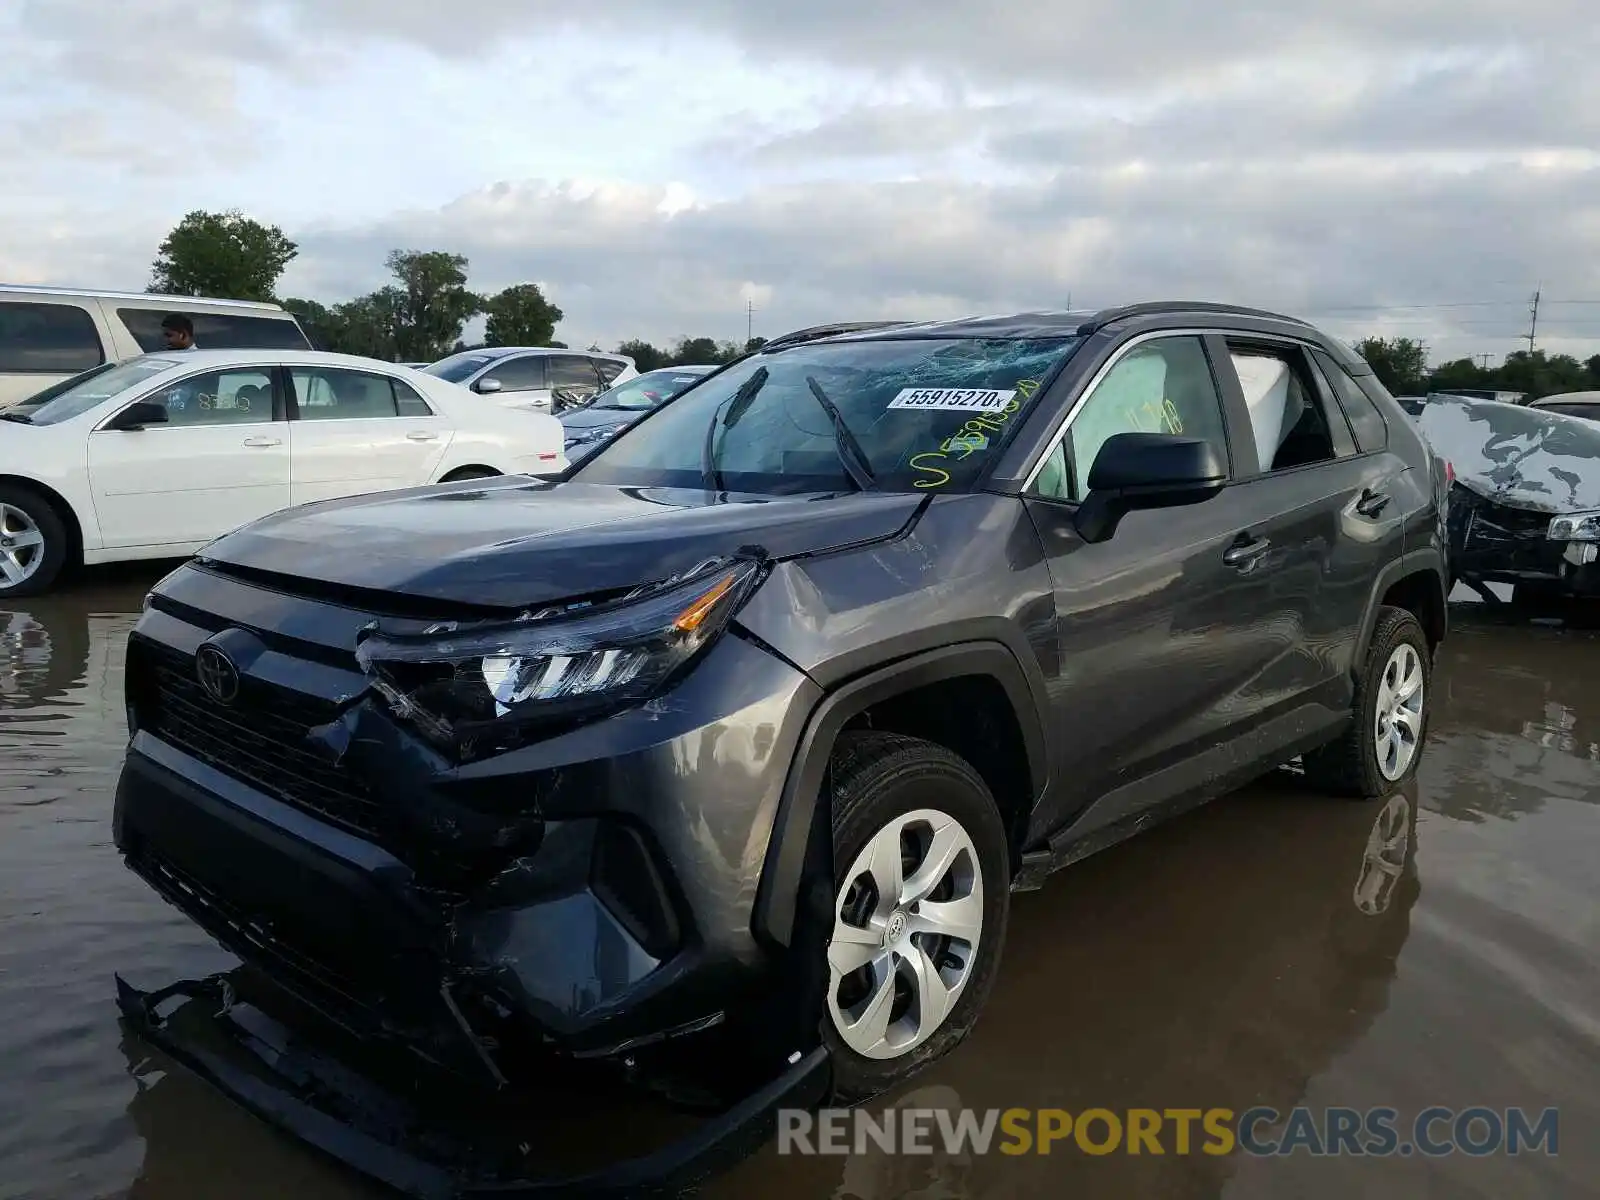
(920, 908)
(1379, 753)
(33, 543)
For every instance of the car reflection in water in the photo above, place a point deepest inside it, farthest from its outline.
(1224, 961)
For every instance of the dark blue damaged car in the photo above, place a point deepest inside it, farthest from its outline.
(715, 764)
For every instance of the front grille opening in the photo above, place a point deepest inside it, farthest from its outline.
(261, 741)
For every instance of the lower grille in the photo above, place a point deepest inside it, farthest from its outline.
(260, 740)
(309, 977)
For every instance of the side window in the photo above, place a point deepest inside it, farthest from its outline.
(1163, 386)
(215, 331)
(237, 397)
(333, 394)
(409, 401)
(609, 369)
(1366, 422)
(56, 339)
(1286, 414)
(525, 374)
(572, 372)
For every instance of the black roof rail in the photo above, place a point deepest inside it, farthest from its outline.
(1156, 308)
(814, 332)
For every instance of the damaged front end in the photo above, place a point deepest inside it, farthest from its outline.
(1525, 503)
(477, 866)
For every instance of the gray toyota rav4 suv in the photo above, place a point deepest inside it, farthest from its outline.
(718, 760)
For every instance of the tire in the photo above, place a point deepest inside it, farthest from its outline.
(463, 474)
(880, 781)
(1351, 765)
(26, 514)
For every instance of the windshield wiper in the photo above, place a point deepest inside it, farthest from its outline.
(856, 463)
(19, 418)
(737, 407)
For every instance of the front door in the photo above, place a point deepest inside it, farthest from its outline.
(1164, 629)
(360, 431)
(220, 461)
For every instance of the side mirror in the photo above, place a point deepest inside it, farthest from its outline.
(136, 416)
(1147, 470)
(488, 387)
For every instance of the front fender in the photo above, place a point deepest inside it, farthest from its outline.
(801, 832)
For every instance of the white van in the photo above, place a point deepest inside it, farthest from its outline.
(50, 334)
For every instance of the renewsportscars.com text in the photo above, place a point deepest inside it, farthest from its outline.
(1260, 1132)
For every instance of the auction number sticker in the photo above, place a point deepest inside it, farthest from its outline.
(954, 399)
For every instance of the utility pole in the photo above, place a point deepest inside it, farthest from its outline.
(1533, 326)
(749, 321)
(1485, 358)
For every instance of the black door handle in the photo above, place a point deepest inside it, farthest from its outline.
(1372, 502)
(1245, 550)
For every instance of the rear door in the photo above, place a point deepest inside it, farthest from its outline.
(359, 431)
(574, 380)
(1327, 512)
(220, 461)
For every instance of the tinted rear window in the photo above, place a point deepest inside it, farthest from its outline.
(44, 338)
(1366, 421)
(216, 331)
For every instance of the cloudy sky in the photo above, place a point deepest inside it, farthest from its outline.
(1413, 168)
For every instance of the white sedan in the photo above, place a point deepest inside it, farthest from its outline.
(156, 456)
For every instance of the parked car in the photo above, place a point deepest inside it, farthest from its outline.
(533, 376)
(48, 335)
(719, 759)
(1572, 404)
(591, 425)
(156, 456)
(1525, 502)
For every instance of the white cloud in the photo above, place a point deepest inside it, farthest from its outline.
(660, 166)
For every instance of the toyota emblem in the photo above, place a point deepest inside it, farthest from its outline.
(217, 674)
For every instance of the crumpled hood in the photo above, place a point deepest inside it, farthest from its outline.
(515, 543)
(1522, 457)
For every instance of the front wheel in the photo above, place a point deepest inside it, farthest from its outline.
(919, 912)
(1380, 752)
(33, 543)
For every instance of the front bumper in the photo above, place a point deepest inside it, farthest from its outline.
(1497, 543)
(426, 1144)
(586, 896)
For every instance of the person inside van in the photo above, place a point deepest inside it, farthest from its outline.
(178, 331)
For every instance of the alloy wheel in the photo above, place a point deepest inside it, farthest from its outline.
(1398, 720)
(21, 546)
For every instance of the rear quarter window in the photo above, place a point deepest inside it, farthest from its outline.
(1366, 420)
(47, 339)
(216, 331)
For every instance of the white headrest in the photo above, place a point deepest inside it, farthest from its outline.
(1265, 382)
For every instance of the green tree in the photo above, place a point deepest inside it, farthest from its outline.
(318, 320)
(375, 326)
(754, 344)
(695, 350)
(1401, 364)
(645, 356)
(433, 302)
(1592, 365)
(225, 254)
(521, 316)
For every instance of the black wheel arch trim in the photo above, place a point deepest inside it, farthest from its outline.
(795, 825)
(1426, 560)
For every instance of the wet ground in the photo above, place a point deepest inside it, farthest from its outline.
(1436, 948)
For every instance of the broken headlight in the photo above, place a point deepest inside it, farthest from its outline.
(454, 682)
(1576, 527)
